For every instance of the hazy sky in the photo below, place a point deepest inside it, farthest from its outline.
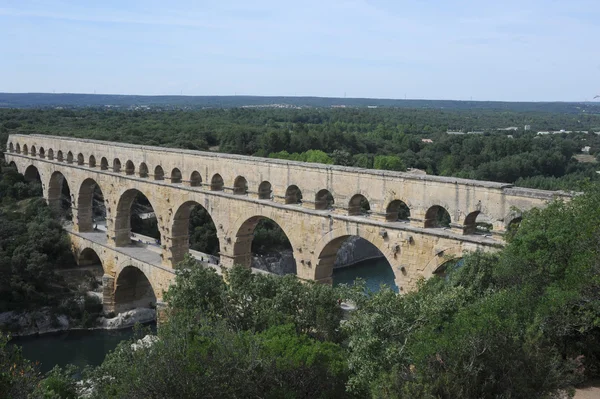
(434, 49)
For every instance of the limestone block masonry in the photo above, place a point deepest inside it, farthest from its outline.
(317, 206)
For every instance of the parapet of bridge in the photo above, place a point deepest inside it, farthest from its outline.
(317, 206)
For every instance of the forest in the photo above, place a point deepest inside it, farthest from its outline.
(386, 138)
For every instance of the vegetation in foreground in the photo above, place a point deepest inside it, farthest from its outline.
(520, 323)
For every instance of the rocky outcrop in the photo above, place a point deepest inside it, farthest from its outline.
(29, 323)
(128, 319)
(352, 251)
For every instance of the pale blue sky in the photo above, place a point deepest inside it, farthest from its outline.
(538, 50)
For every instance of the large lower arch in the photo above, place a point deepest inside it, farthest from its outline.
(89, 257)
(193, 228)
(90, 206)
(122, 223)
(261, 235)
(133, 290)
(32, 174)
(59, 195)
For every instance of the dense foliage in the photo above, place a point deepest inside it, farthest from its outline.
(386, 138)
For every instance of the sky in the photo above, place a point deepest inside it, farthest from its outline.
(510, 50)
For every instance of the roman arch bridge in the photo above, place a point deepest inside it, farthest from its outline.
(317, 206)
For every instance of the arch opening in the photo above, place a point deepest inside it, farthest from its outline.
(195, 179)
(59, 156)
(324, 200)
(91, 209)
(80, 159)
(103, 164)
(359, 206)
(33, 151)
(92, 161)
(42, 152)
(261, 243)
(11, 147)
(194, 232)
(69, 157)
(293, 195)
(265, 190)
(397, 211)
(117, 165)
(129, 168)
(90, 263)
(25, 149)
(513, 226)
(34, 181)
(18, 148)
(159, 173)
(135, 220)
(216, 183)
(176, 176)
(348, 258)
(477, 223)
(437, 217)
(51, 154)
(240, 186)
(133, 290)
(59, 196)
(143, 172)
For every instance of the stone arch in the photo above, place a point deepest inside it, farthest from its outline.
(122, 220)
(437, 216)
(441, 258)
(59, 156)
(117, 165)
(240, 186)
(358, 205)
(143, 171)
(89, 257)
(59, 195)
(216, 183)
(293, 195)
(33, 151)
(92, 161)
(244, 229)
(89, 192)
(13, 165)
(265, 190)
(180, 240)
(513, 225)
(328, 246)
(32, 174)
(51, 154)
(195, 179)
(69, 157)
(129, 168)
(11, 147)
(176, 176)
(18, 148)
(474, 223)
(42, 152)
(397, 210)
(159, 173)
(324, 200)
(103, 164)
(25, 149)
(80, 159)
(133, 289)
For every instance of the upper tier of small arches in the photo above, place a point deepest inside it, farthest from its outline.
(357, 205)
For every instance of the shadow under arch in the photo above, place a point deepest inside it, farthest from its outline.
(90, 205)
(397, 211)
(437, 216)
(264, 237)
(477, 223)
(358, 205)
(134, 203)
(32, 174)
(133, 290)
(194, 228)
(265, 190)
(59, 196)
(324, 200)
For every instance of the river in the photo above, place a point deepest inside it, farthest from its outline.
(82, 348)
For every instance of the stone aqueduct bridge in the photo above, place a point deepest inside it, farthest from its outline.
(237, 191)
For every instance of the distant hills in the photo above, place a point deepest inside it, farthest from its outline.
(50, 100)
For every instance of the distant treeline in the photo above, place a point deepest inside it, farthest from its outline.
(44, 100)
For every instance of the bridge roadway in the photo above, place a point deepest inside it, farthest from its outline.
(317, 206)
